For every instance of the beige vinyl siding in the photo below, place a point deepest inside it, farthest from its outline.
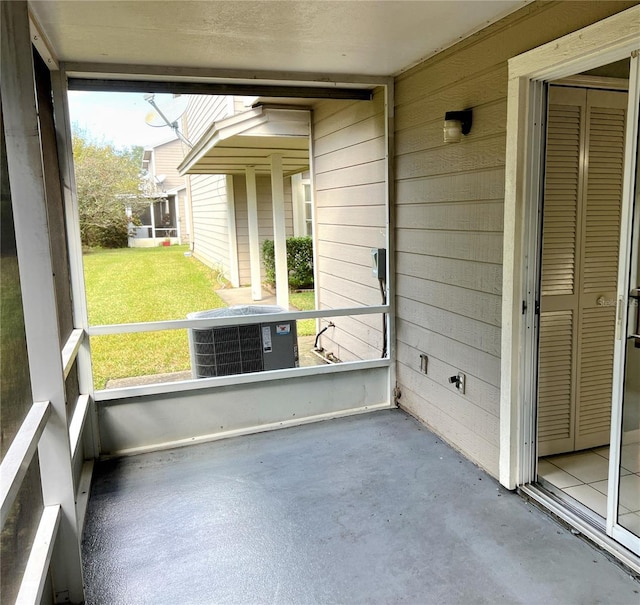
(166, 158)
(209, 211)
(449, 233)
(202, 110)
(349, 152)
(183, 208)
(208, 192)
(265, 219)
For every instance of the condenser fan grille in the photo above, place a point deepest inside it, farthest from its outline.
(229, 350)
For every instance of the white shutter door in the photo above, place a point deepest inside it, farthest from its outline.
(557, 367)
(599, 266)
(556, 397)
(581, 226)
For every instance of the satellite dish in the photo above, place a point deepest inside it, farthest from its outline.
(165, 112)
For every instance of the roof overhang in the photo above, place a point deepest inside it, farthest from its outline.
(231, 145)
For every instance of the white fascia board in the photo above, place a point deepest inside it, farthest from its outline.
(257, 122)
(211, 137)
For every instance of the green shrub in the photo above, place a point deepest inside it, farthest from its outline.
(114, 234)
(299, 262)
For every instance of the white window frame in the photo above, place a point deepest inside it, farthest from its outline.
(300, 220)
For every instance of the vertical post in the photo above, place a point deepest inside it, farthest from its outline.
(254, 241)
(234, 276)
(152, 207)
(298, 206)
(188, 212)
(390, 294)
(74, 244)
(26, 179)
(279, 232)
(176, 206)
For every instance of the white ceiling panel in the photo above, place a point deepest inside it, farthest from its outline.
(314, 36)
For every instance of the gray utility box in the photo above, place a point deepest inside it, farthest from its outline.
(253, 347)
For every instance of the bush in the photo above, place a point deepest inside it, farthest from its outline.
(112, 235)
(299, 262)
(108, 181)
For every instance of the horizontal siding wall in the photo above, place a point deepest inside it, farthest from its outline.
(210, 237)
(449, 223)
(166, 159)
(210, 229)
(265, 219)
(183, 208)
(202, 110)
(349, 152)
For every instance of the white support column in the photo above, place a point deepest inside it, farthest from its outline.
(254, 239)
(176, 207)
(152, 206)
(298, 206)
(279, 232)
(189, 213)
(234, 270)
(38, 296)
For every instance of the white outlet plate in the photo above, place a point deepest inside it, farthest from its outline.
(461, 382)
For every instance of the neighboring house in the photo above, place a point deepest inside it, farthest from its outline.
(513, 334)
(209, 209)
(168, 215)
(221, 221)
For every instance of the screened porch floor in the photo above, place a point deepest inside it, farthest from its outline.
(367, 509)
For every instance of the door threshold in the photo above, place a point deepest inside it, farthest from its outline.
(579, 509)
(581, 520)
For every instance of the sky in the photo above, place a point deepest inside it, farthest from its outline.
(118, 118)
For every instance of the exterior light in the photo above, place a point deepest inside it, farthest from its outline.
(456, 123)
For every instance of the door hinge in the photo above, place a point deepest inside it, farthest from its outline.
(524, 307)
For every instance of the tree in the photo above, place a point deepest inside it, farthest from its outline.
(108, 181)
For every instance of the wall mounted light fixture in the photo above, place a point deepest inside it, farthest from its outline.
(457, 123)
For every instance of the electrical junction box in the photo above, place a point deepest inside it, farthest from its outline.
(226, 350)
(379, 263)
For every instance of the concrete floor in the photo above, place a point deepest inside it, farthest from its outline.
(242, 296)
(367, 509)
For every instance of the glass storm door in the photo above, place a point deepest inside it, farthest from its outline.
(623, 514)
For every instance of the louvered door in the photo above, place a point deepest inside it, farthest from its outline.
(583, 175)
(598, 281)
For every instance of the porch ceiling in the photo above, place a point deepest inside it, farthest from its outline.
(378, 37)
(250, 139)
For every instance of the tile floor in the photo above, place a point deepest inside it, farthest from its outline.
(584, 477)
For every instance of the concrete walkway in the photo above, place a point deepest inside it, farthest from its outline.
(242, 296)
(367, 509)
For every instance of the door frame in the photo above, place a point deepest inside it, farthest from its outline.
(609, 40)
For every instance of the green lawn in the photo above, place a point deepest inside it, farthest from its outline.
(304, 301)
(144, 284)
(152, 284)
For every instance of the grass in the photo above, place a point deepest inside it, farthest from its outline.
(152, 284)
(144, 284)
(304, 301)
